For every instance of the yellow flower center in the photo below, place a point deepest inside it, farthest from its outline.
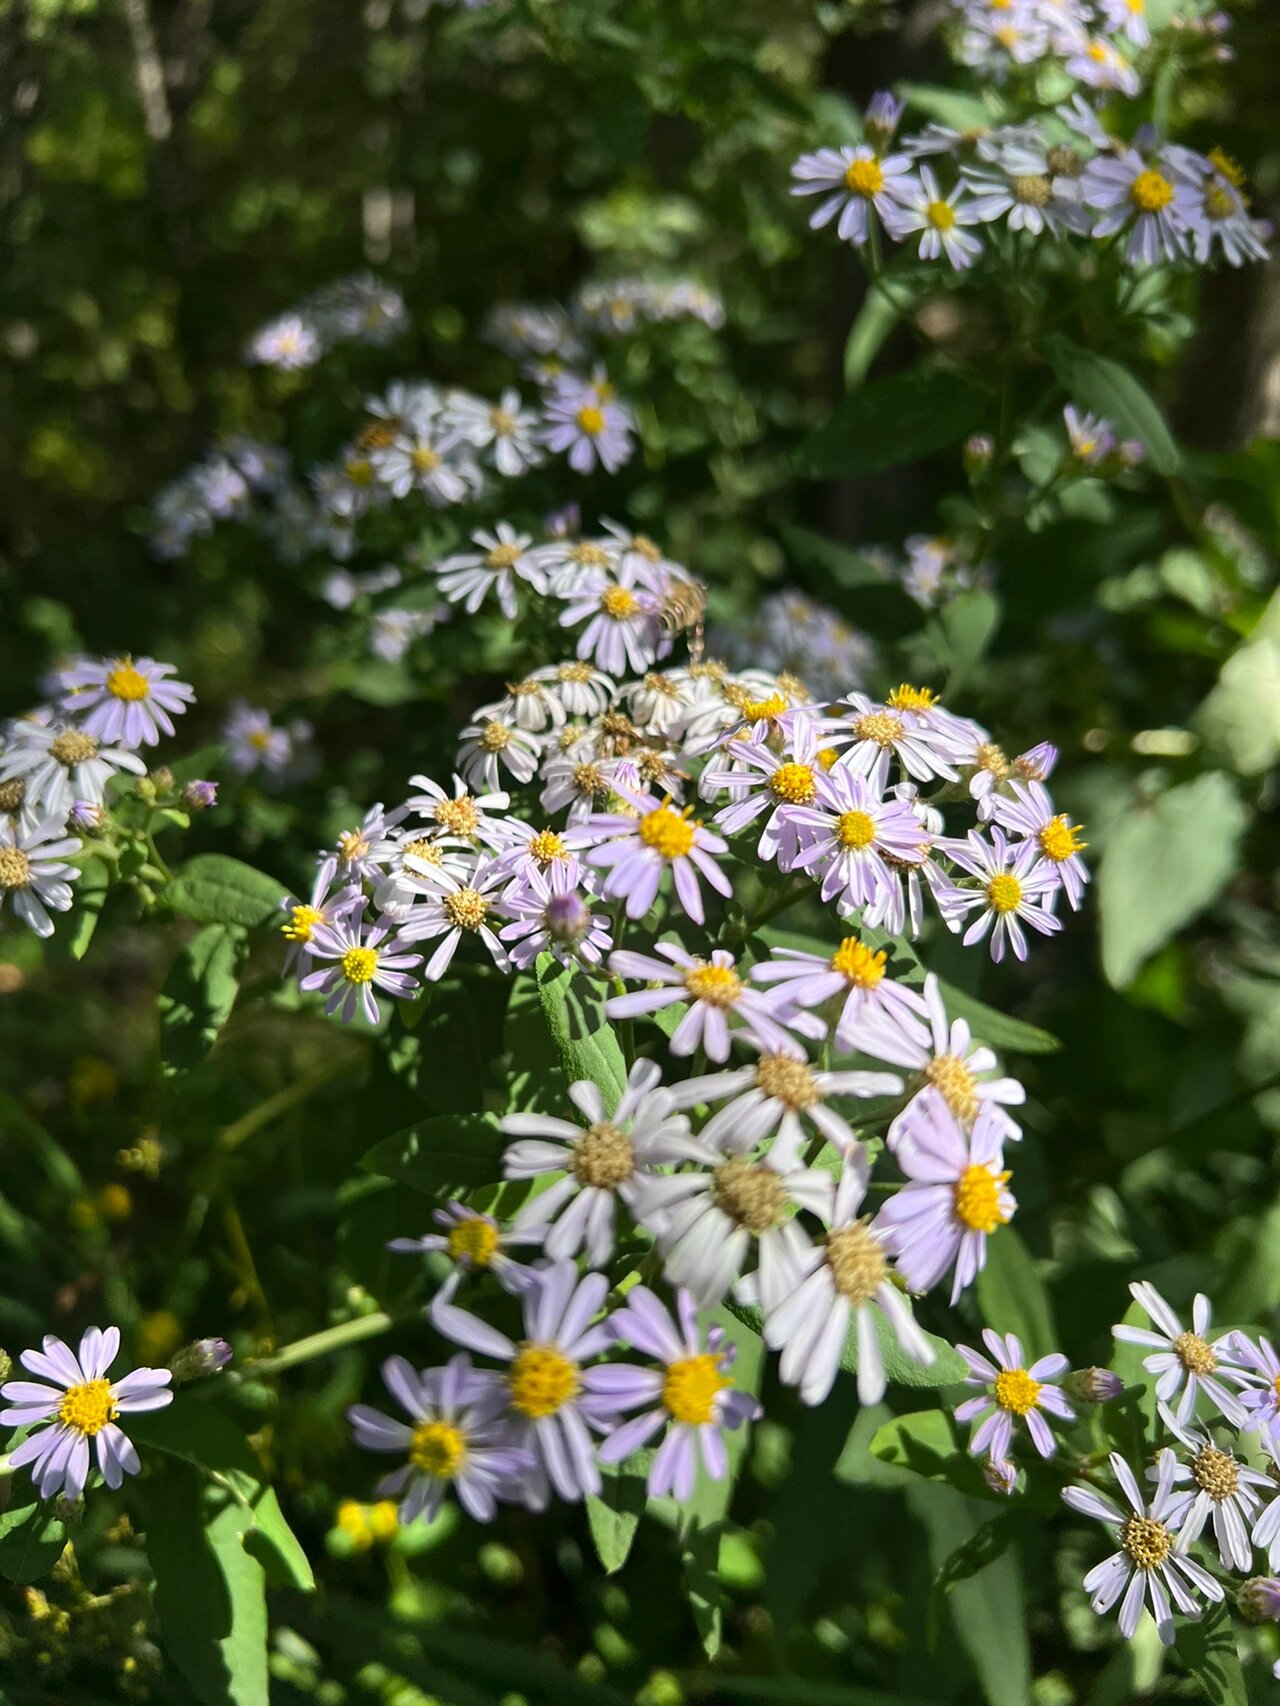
(990, 757)
(857, 1262)
(591, 420)
(502, 422)
(1059, 838)
(12, 794)
(301, 922)
(88, 1408)
(71, 747)
(424, 459)
(542, 1380)
(719, 986)
(603, 1157)
(793, 783)
(691, 1388)
(473, 1240)
(751, 1195)
(502, 556)
(855, 830)
(1151, 191)
(1231, 169)
(422, 849)
(1016, 1391)
(590, 779)
(546, 847)
(1004, 891)
(459, 817)
(438, 1449)
(127, 683)
(864, 178)
(619, 602)
(668, 833)
(940, 214)
(1217, 202)
(955, 1083)
(359, 471)
(495, 737)
(882, 728)
(788, 1080)
(977, 1198)
(352, 845)
(1034, 189)
(1146, 1542)
(763, 710)
(828, 757)
(467, 908)
(574, 672)
(857, 964)
(1195, 1355)
(908, 698)
(359, 964)
(1216, 1472)
(15, 868)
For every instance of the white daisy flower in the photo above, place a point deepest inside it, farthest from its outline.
(901, 728)
(1029, 812)
(1186, 1362)
(62, 764)
(1218, 1486)
(489, 745)
(472, 817)
(508, 430)
(33, 869)
(582, 689)
(714, 992)
(852, 986)
(940, 220)
(854, 182)
(503, 561)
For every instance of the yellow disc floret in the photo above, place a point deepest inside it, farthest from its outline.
(955, 1084)
(977, 1198)
(1060, 838)
(1016, 1391)
(691, 1388)
(855, 830)
(1151, 191)
(1004, 892)
(15, 868)
(438, 1449)
(864, 178)
(908, 698)
(127, 683)
(619, 602)
(88, 1408)
(857, 964)
(359, 964)
(542, 1380)
(473, 1240)
(1146, 1541)
(301, 922)
(591, 420)
(793, 783)
(669, 833)
(718, 986)
(941, 215)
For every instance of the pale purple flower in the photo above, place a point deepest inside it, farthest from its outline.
(581, 689)
(199, 795)
(691, 1396)
(852, 987)
(585, 419)
(125, 701)
(598, 1164)
(550, 920)
(475, 1243)
(80, 1403)
(459, 1435)
(450, 908)
(853, 182)
(1012, 1393)
(1091, 438)
(1134, 194)
(1260, 1365)
(61, 765)
(254, 742)
(849, 834)
(950, 1064)
(507, 429)
(956, 1196)
(623, 619)
(1100, 64)
(302, 917)
(363, 854)
(364, 959)
(1016, 884)
(1029, 813)
(472, 817)
(714, 991)
(496, 570)
(555, 1401)
(822, 1289)
(1212, 200)
(489, 746)
(1149, 1564)
(1185, 1362)
(640, 849)
(940, 220)
(289, 343)
(765, 780)
(34, 873)
(899, 728)
(1218, 1486)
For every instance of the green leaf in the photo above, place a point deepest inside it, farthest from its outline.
(441, 1157)
(893, 420)
(961, 632)
(91, 889)
(218, 890)
(950, 106)
(1241, 717)
(1208, 1650)
(972, 1556)
(1096, 382)
(582, 1037)
(31, 1539)
(848, 569)
(872, 324)
(989, 1025)
(923, 1442)
(614, 1516)
(1164, 862)
(198, 995)
(1012, 1296)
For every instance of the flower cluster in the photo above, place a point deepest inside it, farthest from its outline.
(359, 310)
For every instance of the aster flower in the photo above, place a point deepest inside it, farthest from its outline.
(254, 742)
(503, 561)
(1218, 1486)
(365, 959)
(657, 839)
(940, 219)
(853, 182)
(849, 834)
(471, 817)
(1127, 18)
(1100, 64)
(691, 1396)
(33, 869)
(547, 920)
(604, 1162)
(1185, 1362)
(451, 907)
(575, 784)
(302, 917)
(529, 851)
(853, 981)
(844, 1279)
(1012, 1393)
(948, 1061)
(289, 343)
(1021, 187)
(506, 429)
(1214, 203)
(1030, 813)
(586, 420)
(426, 459)
(398, 891)
(581, 689)
(715, 994)
(80, 1403)
(1016, 883)
(1260, 1399)
(778, 781)
(363, 854)
(488, 746)
(899, 728)
(554, 1399)
(1091, 438)
(474, 1243)
(458, 1436)
(1130, 193)
(567, 563)
(531, 704)
(1149, 1564)
(623, 620)
(125, 701)
(60, 764)
(957, 1194)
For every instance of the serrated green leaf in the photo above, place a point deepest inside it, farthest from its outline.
(901, 418)
(443, 1156)
(217, 890)
(582, 1037)
(198, 995)
(1097, 383)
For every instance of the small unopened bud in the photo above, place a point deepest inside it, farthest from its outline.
(200, 1359)
(197, 795)
(1001, 1476)
(563, 523)
(86, 816)
(979, 448)
(163, 778)
(1094, 1385)
(69, 1511)
(567, 918)
(1259, 1599)
(145, 789)
(880, 120)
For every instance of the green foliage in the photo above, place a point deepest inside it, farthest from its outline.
(893, 420)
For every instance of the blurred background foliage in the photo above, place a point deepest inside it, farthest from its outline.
(174, 174)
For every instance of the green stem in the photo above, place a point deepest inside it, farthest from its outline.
(325, 1342)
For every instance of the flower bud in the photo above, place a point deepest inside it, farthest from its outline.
(199, 1359)
(880, 120)
(1259, 1599)
(567, 918)
(68, 1510)
(86, 816)
(197, 795)
(563, 523)
(145, 789)
(1001, 1476)
(163, 778)
(979, 448)
(1094, 1385)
